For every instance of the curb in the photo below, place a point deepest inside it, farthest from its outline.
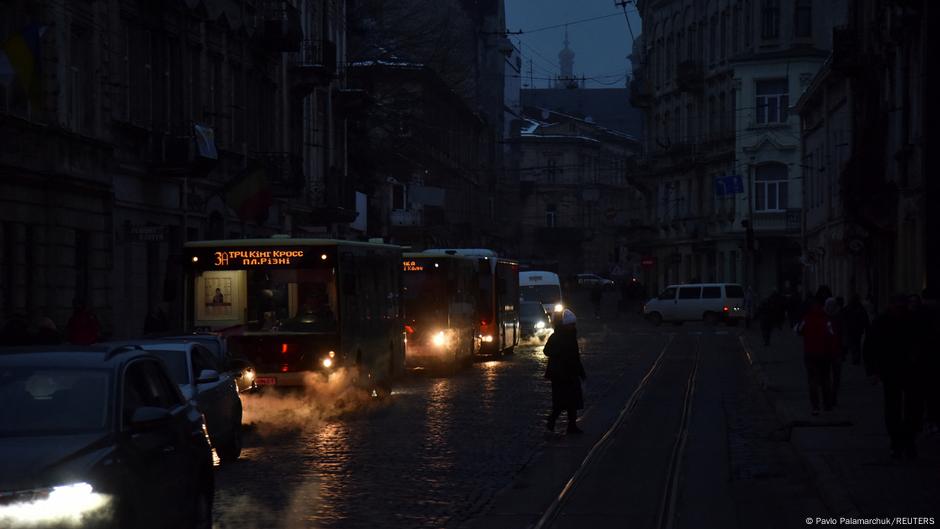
(831, 490)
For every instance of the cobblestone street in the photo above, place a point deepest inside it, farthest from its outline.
(433, 455)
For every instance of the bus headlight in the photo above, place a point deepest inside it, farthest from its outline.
(439, 339)
(540, 325)
(487, 339)
(327, 362)
(559, 307)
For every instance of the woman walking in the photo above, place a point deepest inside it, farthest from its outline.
(565, 371)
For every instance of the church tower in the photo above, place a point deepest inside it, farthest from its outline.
(566, 61)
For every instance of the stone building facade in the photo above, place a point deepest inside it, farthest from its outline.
(717, 80)
(136, 123)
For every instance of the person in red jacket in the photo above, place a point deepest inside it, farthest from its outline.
(83, 326)
(818, 339)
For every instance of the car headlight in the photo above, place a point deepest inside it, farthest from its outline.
(72, 504)
(249, 374)
(559, 307)
(327, 362)
(540, 325)
(439, 339)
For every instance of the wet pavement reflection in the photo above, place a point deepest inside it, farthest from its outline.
(433, 454)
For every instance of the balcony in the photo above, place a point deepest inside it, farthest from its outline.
(277, 26)
(690, 76)
(789, 221)
(404, 217)
(284, 171)
(312, 66)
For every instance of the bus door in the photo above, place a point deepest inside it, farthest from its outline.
(486, 305)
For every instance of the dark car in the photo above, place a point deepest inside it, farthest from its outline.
(534, 321)
(99, 437)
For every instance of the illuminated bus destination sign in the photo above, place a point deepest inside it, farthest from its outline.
(412, 266)
(257, 257)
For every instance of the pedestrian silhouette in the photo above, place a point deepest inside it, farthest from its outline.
(565, 371)
(890, 357)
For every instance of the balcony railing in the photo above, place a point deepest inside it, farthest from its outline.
(284, 171)
(313, 65)
(788, 221)
(405, 217)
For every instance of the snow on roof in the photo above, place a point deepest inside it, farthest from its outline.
(383, 62)
(530, 127)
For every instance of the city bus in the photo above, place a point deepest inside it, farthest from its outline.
(440, 300)
(298, 306)
(497, 299)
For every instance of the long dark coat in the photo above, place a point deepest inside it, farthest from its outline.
(564, 368)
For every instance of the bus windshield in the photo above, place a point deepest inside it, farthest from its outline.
(291, 300)
(426, 295)
(542, 293)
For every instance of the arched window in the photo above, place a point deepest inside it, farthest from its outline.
(770, 187)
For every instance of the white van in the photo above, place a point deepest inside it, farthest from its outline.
(541, 286)
(708, 302)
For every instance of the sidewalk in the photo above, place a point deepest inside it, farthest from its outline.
(846, 450)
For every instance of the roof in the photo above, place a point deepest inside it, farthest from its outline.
(286, 241)
(607, 107)
(470, 252)
(96, 356)
(434, 255)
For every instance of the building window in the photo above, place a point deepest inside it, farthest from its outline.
(724, 35)
(550, 216)
(803, 18)
(713, 36)
(770, 19)
(551, 170)
(770, 187)
(398, 196)
(772, 101)
(748, 17)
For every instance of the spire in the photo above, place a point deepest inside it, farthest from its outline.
(566, 61)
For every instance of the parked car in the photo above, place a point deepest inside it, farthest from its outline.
(203, 380)
(243, 371)
(591, 280)
(708, 302)
(534, 321)
(99, 437)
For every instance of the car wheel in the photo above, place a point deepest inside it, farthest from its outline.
(230, 448)
(710, 318)
(202, 509)
(656, 319)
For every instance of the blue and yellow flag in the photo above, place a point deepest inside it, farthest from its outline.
(20, 58)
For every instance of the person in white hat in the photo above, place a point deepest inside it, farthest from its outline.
(565, 371)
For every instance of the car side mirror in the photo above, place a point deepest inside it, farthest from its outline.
(149, 417)
(207, 376)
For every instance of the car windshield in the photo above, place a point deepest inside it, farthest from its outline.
(53, 401)
(175, 364)
(541, 293)
(531, 310)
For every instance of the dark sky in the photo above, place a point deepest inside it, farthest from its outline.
(600, 46)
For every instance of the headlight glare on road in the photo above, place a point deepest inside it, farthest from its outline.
(327, 362)
(439, 339)
(73, 504)
(559, 307)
